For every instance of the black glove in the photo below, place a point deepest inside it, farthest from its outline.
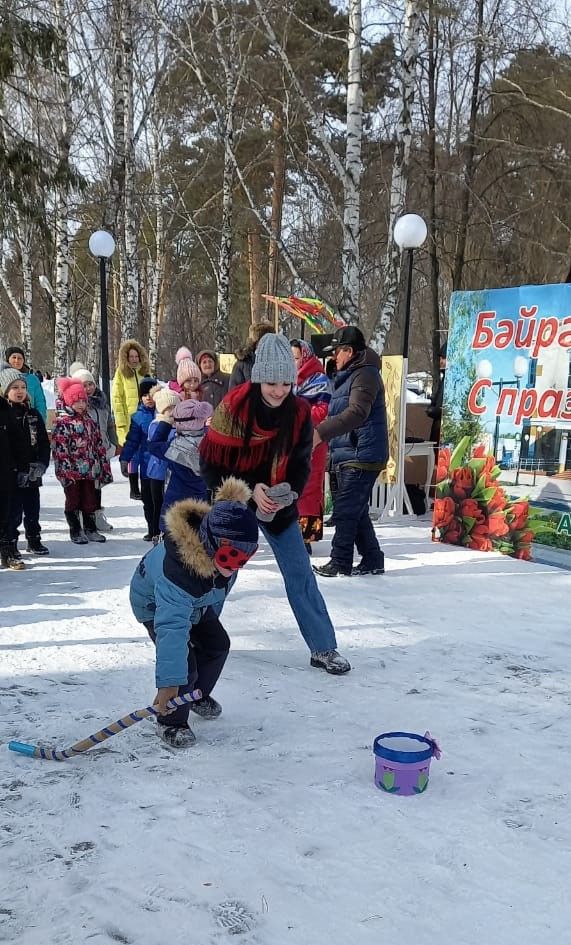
(22, 479)
(36, 471)
(124, 468)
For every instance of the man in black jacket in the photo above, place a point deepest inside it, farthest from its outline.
(13, 469)
(356, 430)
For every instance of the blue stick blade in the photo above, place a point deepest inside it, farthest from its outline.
(22, 748)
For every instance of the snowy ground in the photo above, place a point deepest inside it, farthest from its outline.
(271, 827)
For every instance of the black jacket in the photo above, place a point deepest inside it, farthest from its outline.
(13, 448)
(242, 370)
(36, 437)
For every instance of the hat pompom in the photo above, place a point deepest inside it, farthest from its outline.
(183, 353)
(71, 390)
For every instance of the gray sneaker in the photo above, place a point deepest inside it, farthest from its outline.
(331, 661)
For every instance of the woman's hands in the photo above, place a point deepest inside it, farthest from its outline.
(264, 503)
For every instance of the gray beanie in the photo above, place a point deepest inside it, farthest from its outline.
(275, 363)
(9, 376)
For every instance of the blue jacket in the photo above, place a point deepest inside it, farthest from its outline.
(157, 465)
(183, 480)
(356, 424)
(36, 395)
(135, 450)
(173, 587)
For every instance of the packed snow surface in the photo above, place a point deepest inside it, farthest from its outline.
(271, 828)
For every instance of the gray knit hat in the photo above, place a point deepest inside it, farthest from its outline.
(9, 376)
(275, 363)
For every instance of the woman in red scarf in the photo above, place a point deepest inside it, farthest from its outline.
(313, 385)
(263, 433)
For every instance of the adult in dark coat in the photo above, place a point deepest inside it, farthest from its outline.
(435, 409)
(356, 430)
(214, 384)
(245, 357)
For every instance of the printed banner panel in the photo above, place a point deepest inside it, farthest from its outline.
(504, 471)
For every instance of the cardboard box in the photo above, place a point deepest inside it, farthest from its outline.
(418, 425)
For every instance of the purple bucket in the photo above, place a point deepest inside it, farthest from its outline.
(402, 762)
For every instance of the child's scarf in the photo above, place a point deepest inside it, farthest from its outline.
(224, 444)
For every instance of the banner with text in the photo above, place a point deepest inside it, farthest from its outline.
(504, 470)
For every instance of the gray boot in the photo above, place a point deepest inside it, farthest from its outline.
(75, 529)
(90, 528)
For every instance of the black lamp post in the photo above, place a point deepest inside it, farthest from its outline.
(102, 246)
(409, 234)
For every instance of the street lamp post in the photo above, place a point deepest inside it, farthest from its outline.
(525, 438)
(102, 246)
(485, 369)
(538, 432)
(409, 234)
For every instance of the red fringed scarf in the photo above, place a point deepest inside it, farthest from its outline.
(224, 445)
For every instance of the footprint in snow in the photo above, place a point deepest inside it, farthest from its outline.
(234, 917)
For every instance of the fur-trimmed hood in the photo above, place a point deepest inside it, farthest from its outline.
(144, 368)
(182, 522)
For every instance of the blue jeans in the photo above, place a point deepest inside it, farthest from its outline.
(353, 526)
(301, 588)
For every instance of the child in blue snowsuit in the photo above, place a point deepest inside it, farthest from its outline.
(180, 451)
(134, 453)
(178, 592)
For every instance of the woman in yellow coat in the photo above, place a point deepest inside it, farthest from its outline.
(132, 366)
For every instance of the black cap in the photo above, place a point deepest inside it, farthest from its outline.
(350, 336)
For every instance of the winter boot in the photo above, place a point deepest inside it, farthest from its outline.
(101, 522)
(331, 570)
(75, 530)
(90, 528)
(8, 559)
(135, 492)
(331, 661)
(206, 708)
(176, 737)
(15, 553)
(35, 547)
(364, 568)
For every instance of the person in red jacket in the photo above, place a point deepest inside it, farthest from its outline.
(314, 386)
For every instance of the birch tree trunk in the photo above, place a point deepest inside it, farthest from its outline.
(432, 78)
(352, 180)
(470, 150)
(278, 188)
(223, 275)
(158, 266)
(399, 179)
(62, 287)
(22, 306)
(130, 301)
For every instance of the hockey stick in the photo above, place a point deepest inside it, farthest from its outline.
(53, 754)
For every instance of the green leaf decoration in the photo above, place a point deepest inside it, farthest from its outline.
(460, 452)
(442, 489)
(388, 780)
(422, 783)
(469, 522)
(476, 465)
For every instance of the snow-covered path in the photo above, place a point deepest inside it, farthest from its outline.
(271, 827)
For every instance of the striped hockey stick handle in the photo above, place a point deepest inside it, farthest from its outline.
(54, 754)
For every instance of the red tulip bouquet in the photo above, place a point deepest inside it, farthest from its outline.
(471, 507)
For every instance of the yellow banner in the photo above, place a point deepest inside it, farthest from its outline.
(392, 374)
(227, 362)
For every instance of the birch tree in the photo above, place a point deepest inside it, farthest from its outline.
(64, 131)
(130, 286)
(400, 171)
(352, 177)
